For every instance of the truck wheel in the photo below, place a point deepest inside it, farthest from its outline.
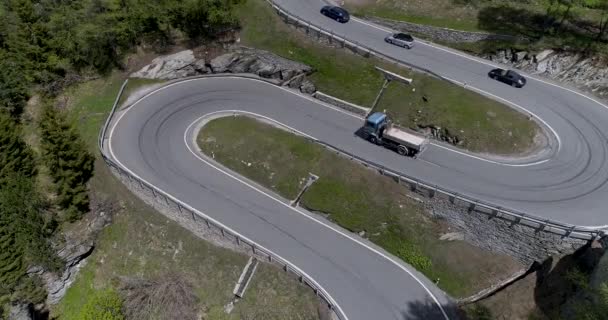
(403, 150)
(373, 140)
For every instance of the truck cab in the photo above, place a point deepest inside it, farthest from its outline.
(374, 125)
(379, 130)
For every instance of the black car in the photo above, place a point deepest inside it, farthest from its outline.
(336, 13)
(509, 77)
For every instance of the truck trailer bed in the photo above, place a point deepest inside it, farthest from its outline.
(404, 137)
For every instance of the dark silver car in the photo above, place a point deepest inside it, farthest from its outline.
(509, 77)
(400, 39)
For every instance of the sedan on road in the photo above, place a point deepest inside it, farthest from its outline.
(336, 13)
(509, 77)
(400, 39)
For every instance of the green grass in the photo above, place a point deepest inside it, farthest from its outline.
(142, 243)
(352, 196)
(482, 124)
(416, 13)
(518, 18)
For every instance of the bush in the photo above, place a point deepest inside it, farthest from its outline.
(103, 305)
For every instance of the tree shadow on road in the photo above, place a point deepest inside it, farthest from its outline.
(428, 310)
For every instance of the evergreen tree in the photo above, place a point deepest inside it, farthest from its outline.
(69, 162)
(22, 240)
(15, 155)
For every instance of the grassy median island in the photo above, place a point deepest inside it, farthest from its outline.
(140, 243)
(481, 124)
(354, 197)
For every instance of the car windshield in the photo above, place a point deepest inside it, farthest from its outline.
(403, 36)
(513, 74)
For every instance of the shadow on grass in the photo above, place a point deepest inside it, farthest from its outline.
(565, 30)
(557, 282)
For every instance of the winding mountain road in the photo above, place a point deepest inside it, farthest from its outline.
(154, 140)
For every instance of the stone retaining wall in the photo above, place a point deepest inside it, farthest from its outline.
(522, 242)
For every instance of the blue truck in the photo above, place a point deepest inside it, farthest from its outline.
(378, 129)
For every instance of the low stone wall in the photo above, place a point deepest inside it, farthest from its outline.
(351, 107)
(441, 34)
(496, 234)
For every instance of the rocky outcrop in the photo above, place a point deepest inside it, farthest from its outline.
(174, 66)
(73, 251)
(21, 312)
(240, 60)
(259, 62)
(441, 34)
(586, 72)
(73, 254)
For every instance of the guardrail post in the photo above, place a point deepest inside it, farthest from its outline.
(179, 207)
(541, 226)
(208, 224)
(516, 221)
(452, 199)
(253, 249)
(222, 232)
(569, 232)
(471, 207)
(494, 214)
(238, 241)
(413, 186)
(432, 193)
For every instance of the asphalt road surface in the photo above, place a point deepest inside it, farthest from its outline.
(154, 140)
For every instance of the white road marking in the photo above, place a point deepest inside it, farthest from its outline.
(491, 161)
(479, 60)
(290, 207)
(292, 265)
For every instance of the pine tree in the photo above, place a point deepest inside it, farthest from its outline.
(15, 155)
(68, 160)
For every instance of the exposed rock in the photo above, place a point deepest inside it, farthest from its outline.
(452, 236)
(221, 63)
(174, 66)
(259, 62)
(21, 312)
(585, 72)
(73, 254)
(307, 87)
(241, 60)
(73, 251)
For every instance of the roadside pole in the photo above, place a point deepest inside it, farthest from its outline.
(388, 77)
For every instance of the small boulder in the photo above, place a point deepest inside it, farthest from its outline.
(221, 63)
(307, 87)
(20, 312)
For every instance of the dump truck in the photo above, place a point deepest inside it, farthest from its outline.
(378, 129)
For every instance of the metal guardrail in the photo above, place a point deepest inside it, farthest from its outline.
(538, 223)
(210, 223)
